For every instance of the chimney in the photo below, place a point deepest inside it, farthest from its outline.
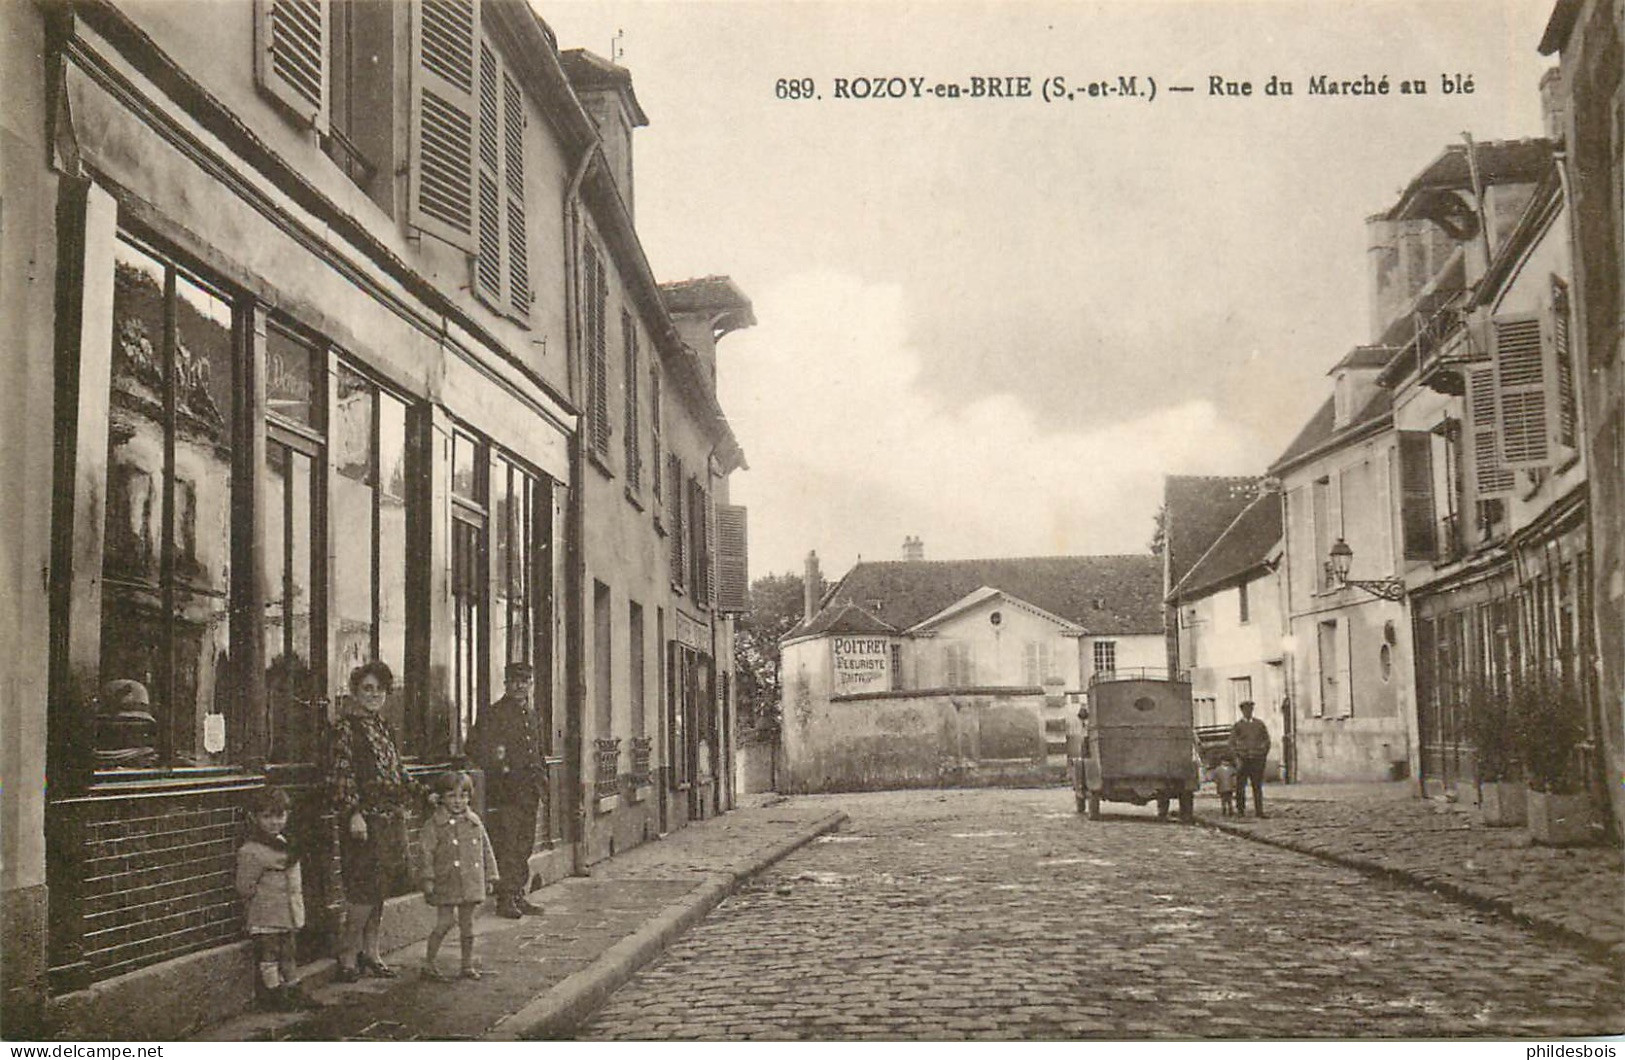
(913, 548)
(1553, 111)
(605, 91)
(811, 582)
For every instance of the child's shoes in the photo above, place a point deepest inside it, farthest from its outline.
(471, 972)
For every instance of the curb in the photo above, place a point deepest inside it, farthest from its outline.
(1614, 952)
(555, 1014)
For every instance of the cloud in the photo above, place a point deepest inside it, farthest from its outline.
(850, 451)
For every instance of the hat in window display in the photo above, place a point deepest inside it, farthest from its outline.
(125, 728)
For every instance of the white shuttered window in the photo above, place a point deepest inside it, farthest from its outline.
(291, 46)
(445, 39)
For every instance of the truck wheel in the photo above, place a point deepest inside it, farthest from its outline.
(1187, 807)
(1094, 806)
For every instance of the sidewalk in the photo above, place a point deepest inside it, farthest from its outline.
(543, 973)
(1577, 893)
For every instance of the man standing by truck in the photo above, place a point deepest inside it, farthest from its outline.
(1250, 743)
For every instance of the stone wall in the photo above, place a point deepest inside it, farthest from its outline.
(915, 739)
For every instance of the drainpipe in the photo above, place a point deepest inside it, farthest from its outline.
(575, 572)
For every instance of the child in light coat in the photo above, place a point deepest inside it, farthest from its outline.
(1223, 776)
(272, 889)
(457, 869)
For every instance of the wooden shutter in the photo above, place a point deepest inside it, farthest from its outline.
(488, 260)
(443, 173)
(709, 565)
(1416, 495)
(1491, 477)
(634, 458)
(1345, 670)
(656, 457)
(520, 295)
(733, 559)
(1563, 361)
(291, 48)
(675, 500)
(1522, 381)
(597, 356)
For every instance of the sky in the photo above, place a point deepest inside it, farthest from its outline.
(997, 324)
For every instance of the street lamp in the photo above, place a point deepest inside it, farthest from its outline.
(1343, 557)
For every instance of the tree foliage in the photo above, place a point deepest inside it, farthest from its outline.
(775, 608)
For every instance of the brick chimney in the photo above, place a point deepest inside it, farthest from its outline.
(913, 548)
(605, 91)
(811, 582)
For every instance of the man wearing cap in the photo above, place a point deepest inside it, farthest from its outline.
(1250, 743)
(505, 743)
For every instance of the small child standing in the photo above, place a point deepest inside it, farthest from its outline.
(457, 869)
(272, 889)
(1224, 779)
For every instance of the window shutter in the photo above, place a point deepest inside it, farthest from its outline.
(629, 336)
(443, 176)
(710, 564)
(597, 357)
(290, 56)
(1522, 386)
(1491, 478)
(656, 457)
(1416, 495)
(488, 262)
(675, 500)
(1567, 402)
(733, 560)
(520, 295)
(1345, 671)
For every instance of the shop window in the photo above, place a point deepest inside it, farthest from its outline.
(295, 611)
(469, 595)
(166, 560)
(520, 503)
(369, 510)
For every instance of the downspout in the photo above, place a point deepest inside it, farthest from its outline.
(575, 572)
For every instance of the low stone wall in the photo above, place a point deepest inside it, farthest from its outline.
(915, 739)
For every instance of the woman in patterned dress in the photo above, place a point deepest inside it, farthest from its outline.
(371, 795)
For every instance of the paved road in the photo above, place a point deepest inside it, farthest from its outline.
(1002, 914)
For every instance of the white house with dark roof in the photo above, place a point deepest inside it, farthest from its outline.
(918, 673)
(1232, 624)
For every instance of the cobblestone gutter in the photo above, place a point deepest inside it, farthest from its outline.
(1575, 893)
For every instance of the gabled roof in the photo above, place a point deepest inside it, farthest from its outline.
(1499, 162)
(843, 618)
(1318, 436)
(1198, 508)
(1105, 595)
(1244, 546)
(987, 594)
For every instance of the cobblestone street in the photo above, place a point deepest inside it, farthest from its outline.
(1003, 914)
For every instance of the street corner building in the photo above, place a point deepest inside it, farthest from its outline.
(333, 340)
(917, 673)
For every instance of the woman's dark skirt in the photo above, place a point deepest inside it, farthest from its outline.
(373, 867)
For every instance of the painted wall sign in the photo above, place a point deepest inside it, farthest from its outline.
(862, 664)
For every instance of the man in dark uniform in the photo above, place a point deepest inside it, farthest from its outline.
(1250, 743)
(506, 744)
